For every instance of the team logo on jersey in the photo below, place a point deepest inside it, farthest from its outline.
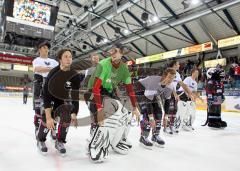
(68, 84)
(108, 80)
(47, 63)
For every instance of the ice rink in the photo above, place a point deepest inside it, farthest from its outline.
(204, 149)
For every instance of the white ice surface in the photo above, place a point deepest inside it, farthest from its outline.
(203, 149)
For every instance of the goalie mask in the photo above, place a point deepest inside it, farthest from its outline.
(215, 74)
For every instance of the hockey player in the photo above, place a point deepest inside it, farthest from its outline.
(41, 67)
(149, 90)
(187, 107)
(60, 101)
(178, 80)
(215, 97)
(25, 94)
(102, 84)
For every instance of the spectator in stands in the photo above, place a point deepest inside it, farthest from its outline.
(25, 80)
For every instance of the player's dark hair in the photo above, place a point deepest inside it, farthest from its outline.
(61, 52)
(172, 63)
(169, 71)
(193, 70)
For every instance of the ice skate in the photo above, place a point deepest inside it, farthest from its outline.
(144, 142)
(42, 147)
(60, 148)
(158, 141)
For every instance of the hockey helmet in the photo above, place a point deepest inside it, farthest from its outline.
(215, 73)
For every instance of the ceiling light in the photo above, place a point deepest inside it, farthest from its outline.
(126, 31)
(105, 40)
(155, 19)
(194, 2)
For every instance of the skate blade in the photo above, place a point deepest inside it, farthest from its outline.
(96, 161)
(168, 134)
(42, 153)
(61, 154)
(122, 152)
(187, 130)
(213, 128)
(146, 147)
(158, 145)
(175, 132)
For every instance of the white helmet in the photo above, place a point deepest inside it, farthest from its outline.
(217, 72)
(210, 72)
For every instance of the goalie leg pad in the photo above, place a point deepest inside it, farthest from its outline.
(117, 145)
(118, 124)
(191, 112)
(181, 112)
(98, 147)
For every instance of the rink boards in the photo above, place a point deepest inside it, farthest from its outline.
(231, 103)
